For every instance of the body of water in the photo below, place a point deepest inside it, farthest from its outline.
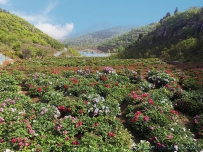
(88, 53)
(2, 59)
(93, 53)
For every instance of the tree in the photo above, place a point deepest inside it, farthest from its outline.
(26, 53)
(168, 14)
(176, 11)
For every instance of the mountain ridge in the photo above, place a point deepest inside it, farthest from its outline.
(20, 39)
(176, 37)
(95, 38)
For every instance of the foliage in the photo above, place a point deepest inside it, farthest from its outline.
(22, 39)
(118, 44)
(176, 37)
(91, 40)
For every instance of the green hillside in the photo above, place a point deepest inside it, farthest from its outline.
(18, 38)
(176, 37)
(117, 44)
(91, 40)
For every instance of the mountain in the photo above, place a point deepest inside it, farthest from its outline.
(118, 43)
(176, 37)
(20, 39)
(91, 40)
(90, 29)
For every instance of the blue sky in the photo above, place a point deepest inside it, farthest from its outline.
(60, 18)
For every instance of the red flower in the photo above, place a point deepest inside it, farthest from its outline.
(39, 89)
(14, 140)
(145, 95)
(53, 72)
(80, 123)
(85, 101)
(69, 109)
(111, 134)
(59, 144)
(107, 85)
(150, 101)
(174, 112)
(81, 111)
(65, 86)
(74, 143)
(62, 108)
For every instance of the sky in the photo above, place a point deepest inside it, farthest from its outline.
(61, 18)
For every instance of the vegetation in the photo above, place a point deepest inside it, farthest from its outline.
(118, 44)
(176, 37)
(18, 38)
(100, 108)
(93, 39)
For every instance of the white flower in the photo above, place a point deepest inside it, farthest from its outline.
(13, 109)
(172, 129)
(176, 147)
(184, 129)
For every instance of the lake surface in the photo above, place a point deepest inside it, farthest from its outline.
(88, 53)
(93, 53)
(2, 59)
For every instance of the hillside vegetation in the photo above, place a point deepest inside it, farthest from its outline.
(18, 38)
(91, 40)
(176, 37)
(117, 44)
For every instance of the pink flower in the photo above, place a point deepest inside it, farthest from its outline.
(65, 132)
(138, 113)
(195, 121)
(3, 104)
(169, 136)
(1, 110)
(155, 138)
(146, 118)
(159, 144)
(26, 144)
(20, 143)
(151, 128)
(29, 126)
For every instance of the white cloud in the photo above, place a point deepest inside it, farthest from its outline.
(44, 23)
(3, 1)
(56, 31)
(49, 7)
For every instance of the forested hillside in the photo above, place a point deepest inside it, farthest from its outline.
(18, 38)
(118, 44)
(176, 37)
(91, 40)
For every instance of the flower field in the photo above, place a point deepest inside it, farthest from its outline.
(51, 106)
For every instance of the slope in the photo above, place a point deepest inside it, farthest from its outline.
(117, 44)
(176, 37)
(91, 40)
(18, 38)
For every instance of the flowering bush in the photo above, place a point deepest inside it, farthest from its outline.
(159, 78)
(198, 125)
(77, 110)
(191, 102)
(109, 70)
